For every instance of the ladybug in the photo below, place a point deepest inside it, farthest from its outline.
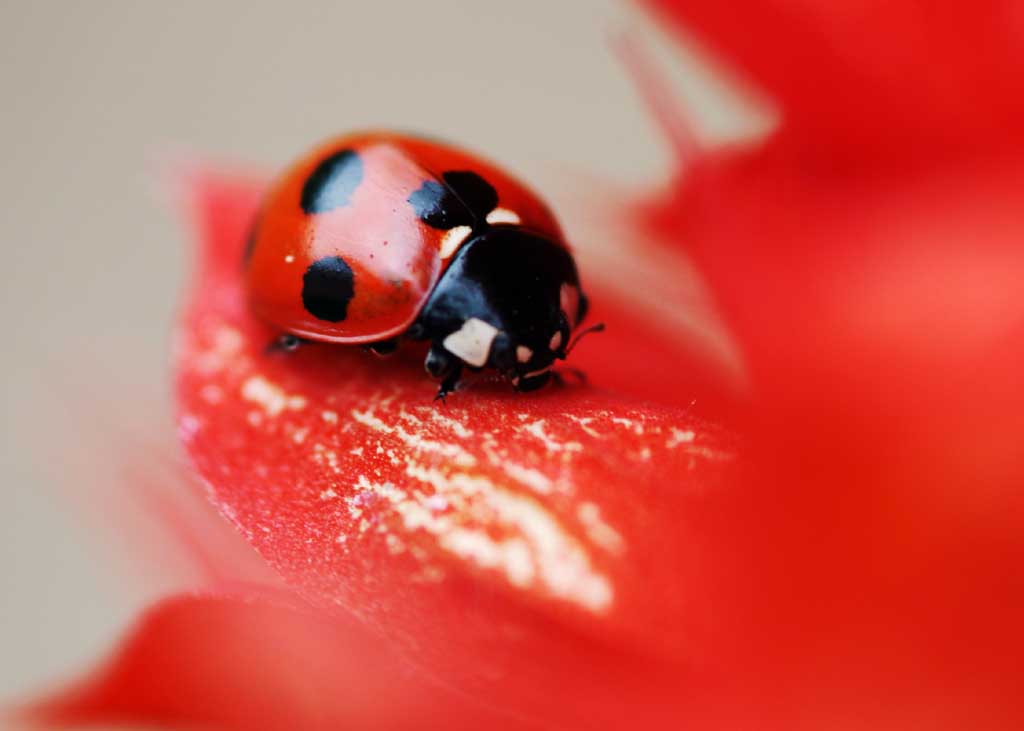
(377, 237)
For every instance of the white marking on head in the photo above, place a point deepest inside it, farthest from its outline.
(556, 341)
(472, 342)
(523, 354)
(503, 215)
(454, 238)
(289, 259)
(569, 298)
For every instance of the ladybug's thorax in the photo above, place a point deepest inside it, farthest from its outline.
(508, 300)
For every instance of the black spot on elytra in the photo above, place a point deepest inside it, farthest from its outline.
(475, 192)
(464, 199)
(333, 182)
(437, 206)
(327, 288)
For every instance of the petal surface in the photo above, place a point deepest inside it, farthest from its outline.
(868, 263)
(258, 662)
(500, 539)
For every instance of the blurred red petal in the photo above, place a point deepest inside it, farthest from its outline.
(911, 80)
(879, 310)
(500, 539)
(665, 342)
(592, 539)
(259, 663)
(882, 321)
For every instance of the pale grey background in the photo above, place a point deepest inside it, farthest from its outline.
(93, 93)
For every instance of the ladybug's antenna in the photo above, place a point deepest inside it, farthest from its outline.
(595, 328)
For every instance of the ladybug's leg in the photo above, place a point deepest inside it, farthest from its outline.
(532, 383)
(285, 343)
(576, 373)
(448, 384)
(384, 347)
(442, 364)
(559, 376)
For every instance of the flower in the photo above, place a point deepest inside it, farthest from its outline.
(843, 553)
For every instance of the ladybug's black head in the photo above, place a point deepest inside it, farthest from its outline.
(509, 300)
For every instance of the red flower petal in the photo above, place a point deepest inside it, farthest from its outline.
(489, 537)
(260, 663)
(593, 561)
(881, 316)
(874, 81)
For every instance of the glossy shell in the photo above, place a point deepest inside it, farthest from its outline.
(351, 240)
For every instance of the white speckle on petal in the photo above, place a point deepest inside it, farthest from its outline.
(437, 503)
(446, 449)
(452, 451)
(211, 394)
(536, 548)
(368, 418)
(680, 436)
(635, 426)
(585, 422)
(598, 530)
(456, 426)
(536, 429)
(534, 479)
(270, 396)
(227, 342)
(394, 544)
(188, 426)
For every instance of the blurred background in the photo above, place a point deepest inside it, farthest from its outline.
(96, 95)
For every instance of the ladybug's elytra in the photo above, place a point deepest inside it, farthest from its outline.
(376, 237)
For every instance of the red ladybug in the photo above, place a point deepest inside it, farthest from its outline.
(376, 237)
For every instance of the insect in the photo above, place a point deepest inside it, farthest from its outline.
(375, 238)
